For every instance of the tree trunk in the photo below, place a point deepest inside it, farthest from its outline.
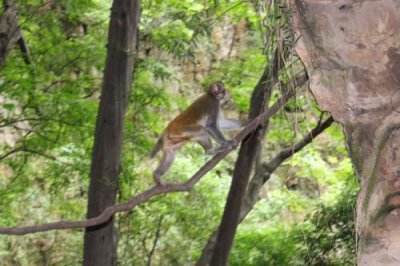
(100, 242)
(248, 153)
(10, 33)
(351, 51)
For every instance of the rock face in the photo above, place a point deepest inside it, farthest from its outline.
(351, 49)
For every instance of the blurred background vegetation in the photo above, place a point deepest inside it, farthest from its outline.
(48, 111)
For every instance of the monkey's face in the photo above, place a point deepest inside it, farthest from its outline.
(218, 91)
(220, 95)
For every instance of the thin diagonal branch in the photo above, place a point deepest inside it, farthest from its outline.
(10, 152)
(266, 169)
(23, 46)
(156, 238)
(289, 92)
(286, 153)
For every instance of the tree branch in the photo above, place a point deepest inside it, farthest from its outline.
(10, 152)
(23, 46)
(286, 153)
(156, 238)
(264, 172)
(289, 91)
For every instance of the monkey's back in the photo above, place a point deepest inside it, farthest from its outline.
(197, 114)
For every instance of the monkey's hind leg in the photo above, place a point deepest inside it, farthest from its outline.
(205, 142)
(165, 163)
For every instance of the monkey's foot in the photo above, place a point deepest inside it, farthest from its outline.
(159, 183)
(233, 144)
(157, 180)
(216, 150)
(211, 151)
(230, 145)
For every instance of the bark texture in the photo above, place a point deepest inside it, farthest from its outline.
(10, 33)
(351, 52)
(100, 242)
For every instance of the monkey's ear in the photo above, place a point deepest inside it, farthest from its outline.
(213, 89)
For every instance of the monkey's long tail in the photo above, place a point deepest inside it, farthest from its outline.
(157, 147)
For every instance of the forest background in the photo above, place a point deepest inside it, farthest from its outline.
(49, 103)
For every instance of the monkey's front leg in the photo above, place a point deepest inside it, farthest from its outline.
(218, 136)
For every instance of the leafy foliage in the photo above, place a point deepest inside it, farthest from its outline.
(324, 236)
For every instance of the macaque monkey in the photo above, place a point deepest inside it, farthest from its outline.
(200, 121)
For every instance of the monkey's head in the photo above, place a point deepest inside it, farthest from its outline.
(217, 90)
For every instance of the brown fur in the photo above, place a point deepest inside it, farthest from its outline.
(198, 122)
